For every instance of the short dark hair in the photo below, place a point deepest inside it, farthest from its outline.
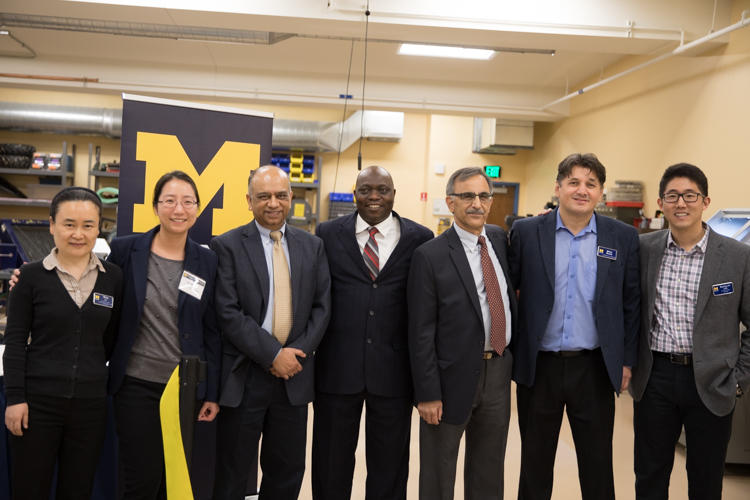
(75, 193)
(687, 171)
(584, 160)
(174, 174)
(463, 174)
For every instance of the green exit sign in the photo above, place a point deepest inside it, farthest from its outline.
(492, 171)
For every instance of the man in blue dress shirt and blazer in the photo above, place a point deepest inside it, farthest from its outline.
(577, 341)
(363, 358)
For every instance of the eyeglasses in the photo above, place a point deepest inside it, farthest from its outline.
(172, 203)
(689, 197)
(469, 197)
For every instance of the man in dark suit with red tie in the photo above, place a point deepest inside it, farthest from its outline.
(461, 310)
(363, 358)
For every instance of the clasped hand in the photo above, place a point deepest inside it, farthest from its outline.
(286, 365)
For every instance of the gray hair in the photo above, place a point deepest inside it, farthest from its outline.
(463, 174)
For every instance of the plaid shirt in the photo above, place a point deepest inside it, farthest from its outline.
(676, 295)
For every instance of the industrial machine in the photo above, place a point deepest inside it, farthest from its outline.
(735, 223)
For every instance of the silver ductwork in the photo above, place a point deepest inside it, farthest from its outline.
(287, 134)
(306, 135)
(25, 117)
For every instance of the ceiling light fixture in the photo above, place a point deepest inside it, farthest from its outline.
(409, 49)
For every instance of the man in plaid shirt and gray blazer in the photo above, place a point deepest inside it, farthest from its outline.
(693, 363)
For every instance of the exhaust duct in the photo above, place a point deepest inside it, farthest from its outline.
(303, 135)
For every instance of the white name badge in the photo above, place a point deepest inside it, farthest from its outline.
(192, 284)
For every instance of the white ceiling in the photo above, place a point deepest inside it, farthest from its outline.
(587, 35)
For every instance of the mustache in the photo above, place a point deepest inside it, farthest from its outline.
(475, 211)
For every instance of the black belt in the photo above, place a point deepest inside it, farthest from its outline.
(567, 354)
(489, 355)
(675, 358)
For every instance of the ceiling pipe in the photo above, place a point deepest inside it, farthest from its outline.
(287, 134)
(744, 21)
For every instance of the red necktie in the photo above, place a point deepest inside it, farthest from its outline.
(495, 299)
(372, 261)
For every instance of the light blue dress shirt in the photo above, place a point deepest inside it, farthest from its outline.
(265, 238)
(572, 325)
(471, 246)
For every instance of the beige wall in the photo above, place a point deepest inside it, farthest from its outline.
(685, 109)
(694, 109)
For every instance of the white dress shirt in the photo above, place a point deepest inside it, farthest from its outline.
(389, 232)
(473, 254)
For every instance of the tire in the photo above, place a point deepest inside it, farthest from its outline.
(15, 161)
(17, 149)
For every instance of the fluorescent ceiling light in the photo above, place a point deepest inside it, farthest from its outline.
(443, 51)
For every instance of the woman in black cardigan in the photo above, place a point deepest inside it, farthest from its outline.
(62, 327)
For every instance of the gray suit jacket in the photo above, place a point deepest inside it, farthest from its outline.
(242, 291)
(721, 355)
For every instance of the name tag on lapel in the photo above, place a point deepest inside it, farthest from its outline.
(723, 289)
(192, 284)
(104, 300)
(607, 253)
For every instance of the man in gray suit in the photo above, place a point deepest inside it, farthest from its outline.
(273, 305)
(693, 363)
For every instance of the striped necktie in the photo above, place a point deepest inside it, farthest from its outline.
(495, 299)
(372, 261)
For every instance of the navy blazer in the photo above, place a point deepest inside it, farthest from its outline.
(199, 332)
(242, 295)
(617, 298)
(446, 328)
(365, 345)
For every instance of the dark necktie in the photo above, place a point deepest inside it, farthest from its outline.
(370, 254)
(495, 299)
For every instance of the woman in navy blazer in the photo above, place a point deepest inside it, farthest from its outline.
(145, 353)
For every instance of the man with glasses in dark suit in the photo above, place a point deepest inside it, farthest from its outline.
(461, 312)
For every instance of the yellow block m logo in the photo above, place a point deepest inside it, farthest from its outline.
(230, 167)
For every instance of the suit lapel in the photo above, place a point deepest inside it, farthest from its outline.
(547, 242)
(655, 257)
(347, 235)
(296, 257)
(405, 240)
(254, 248)
(494, 237)
(458, 255)
(605, 237)
(711, 266)
(191, 265)
(141, 254)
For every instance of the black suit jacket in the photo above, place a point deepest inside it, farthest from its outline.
(617, 298)
(199, 333)
(446, 330)
(365, 345)
(242, 293)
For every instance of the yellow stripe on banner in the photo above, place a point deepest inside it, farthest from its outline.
(176, 470)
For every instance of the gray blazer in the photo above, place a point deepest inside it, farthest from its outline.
(242, 291)
(721, 355)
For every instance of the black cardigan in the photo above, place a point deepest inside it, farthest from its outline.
(69, 346)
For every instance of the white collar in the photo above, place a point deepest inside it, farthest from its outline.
(383, 227)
